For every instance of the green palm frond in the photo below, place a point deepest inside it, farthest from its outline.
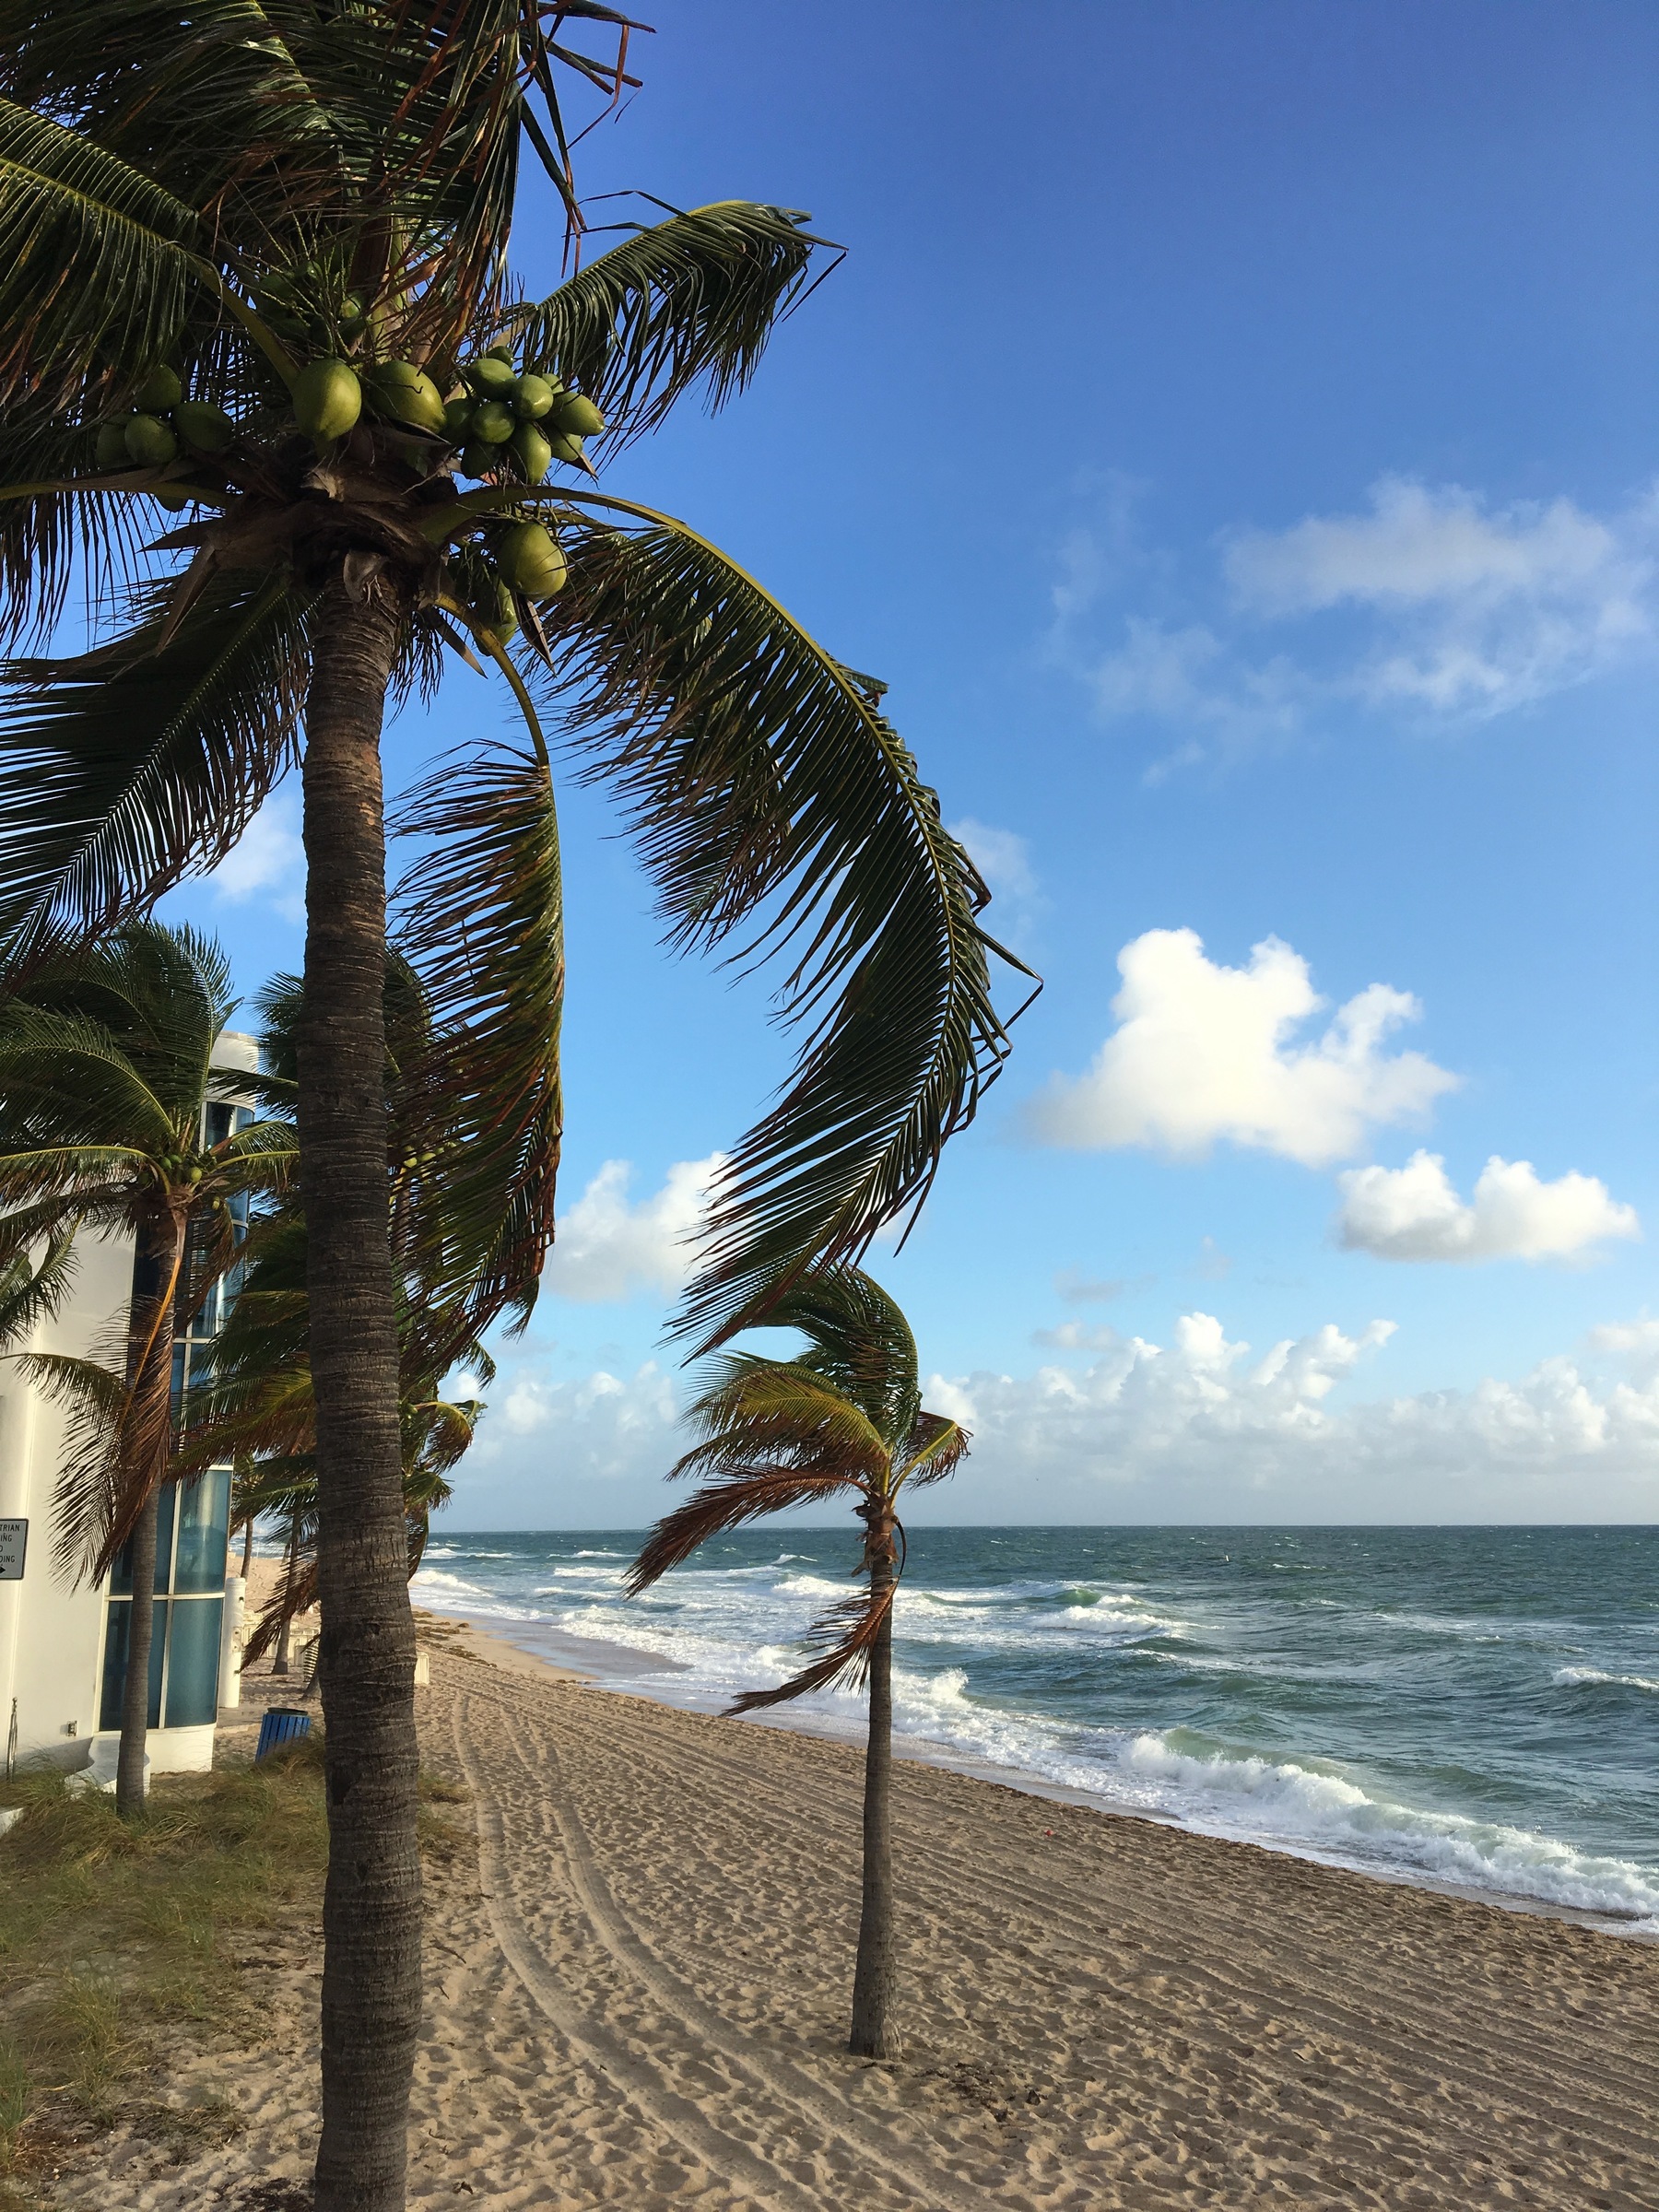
(722, 1505)
(861, 1344)
(95, 259)
(32, 1292)
(691, 300)
(482, 920)
(780, 1410)
(121, 768)
(935, 1449)
(765, 788)
(65, 1083)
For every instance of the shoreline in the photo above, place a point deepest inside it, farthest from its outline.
(633, 1671)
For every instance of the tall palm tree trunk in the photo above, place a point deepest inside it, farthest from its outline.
(875, 1978)
(149, 1374)
(371, 1905)
(280, 1665)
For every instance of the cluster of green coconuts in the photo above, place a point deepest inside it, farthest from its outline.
(501, 422)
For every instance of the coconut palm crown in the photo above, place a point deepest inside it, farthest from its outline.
(844, 1418)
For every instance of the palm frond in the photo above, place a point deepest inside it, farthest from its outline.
(722, 1505)
(849, 1631)
(95, 259)
(481, 918)
(861, 1344)
(936, 1449)
(32, 1292)
(780, 1409)
(765, 788)
(686, 301)
(122, 768)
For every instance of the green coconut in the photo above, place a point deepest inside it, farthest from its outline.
(564, 447)
(577, 416)
(457, 417)
(532, 561)
(161, 390)
(149, 442)
(532, 399)
(110, 451)
(535, 455)
(500, 352)
(407, 395)
(203, 425)
(491, 377)
(493, 421)
(480, 460)
(328, 399)
(174, 501)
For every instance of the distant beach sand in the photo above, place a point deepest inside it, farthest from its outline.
(638, 1980)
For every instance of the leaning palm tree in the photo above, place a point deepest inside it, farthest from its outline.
(106, 1069)
(845, 1418)
(258, 329)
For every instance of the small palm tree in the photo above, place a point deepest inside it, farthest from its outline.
(106, 1070)
(844, 1417)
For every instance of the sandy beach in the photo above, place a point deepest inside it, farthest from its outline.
(641, 1929)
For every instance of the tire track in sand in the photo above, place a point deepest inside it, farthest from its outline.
(659, 2105)
(1534, 2088)
(863, 2136)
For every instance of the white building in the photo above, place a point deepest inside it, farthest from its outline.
(63, 1651)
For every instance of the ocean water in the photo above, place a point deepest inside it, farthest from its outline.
(1472, 1707)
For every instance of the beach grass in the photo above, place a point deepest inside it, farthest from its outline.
(116, 1940)
(121, 1945)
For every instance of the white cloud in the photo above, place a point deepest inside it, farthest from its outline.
(608, 1249)
(1203, 1051)
(1413, 1213)
(1200, 1429)
(1483, 610)
(267, 857)
(1203, 1415)
(1427, 598)
(606, 1426)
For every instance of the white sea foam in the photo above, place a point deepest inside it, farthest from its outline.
(962, 1649)
(1569, 1676)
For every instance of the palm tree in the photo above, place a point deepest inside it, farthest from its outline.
(844, 1416)
(106, 1069)
(257, 278)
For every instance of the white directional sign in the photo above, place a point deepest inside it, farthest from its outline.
(14, 1543)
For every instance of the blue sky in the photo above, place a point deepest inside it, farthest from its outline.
(1232, 436)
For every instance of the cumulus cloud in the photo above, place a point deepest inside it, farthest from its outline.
(1199, 1427)
(1414, 1213)
(1203, 1051)
(267, 859)
(607, 1248)
(1202, 1413)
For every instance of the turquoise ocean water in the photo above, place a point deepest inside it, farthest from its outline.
(1479, 1707)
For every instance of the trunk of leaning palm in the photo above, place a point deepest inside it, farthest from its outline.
(149, 1362)
(875, 1978)
(135, 1694)
(371, 1905)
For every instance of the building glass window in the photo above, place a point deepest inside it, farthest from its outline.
(204, 1518)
